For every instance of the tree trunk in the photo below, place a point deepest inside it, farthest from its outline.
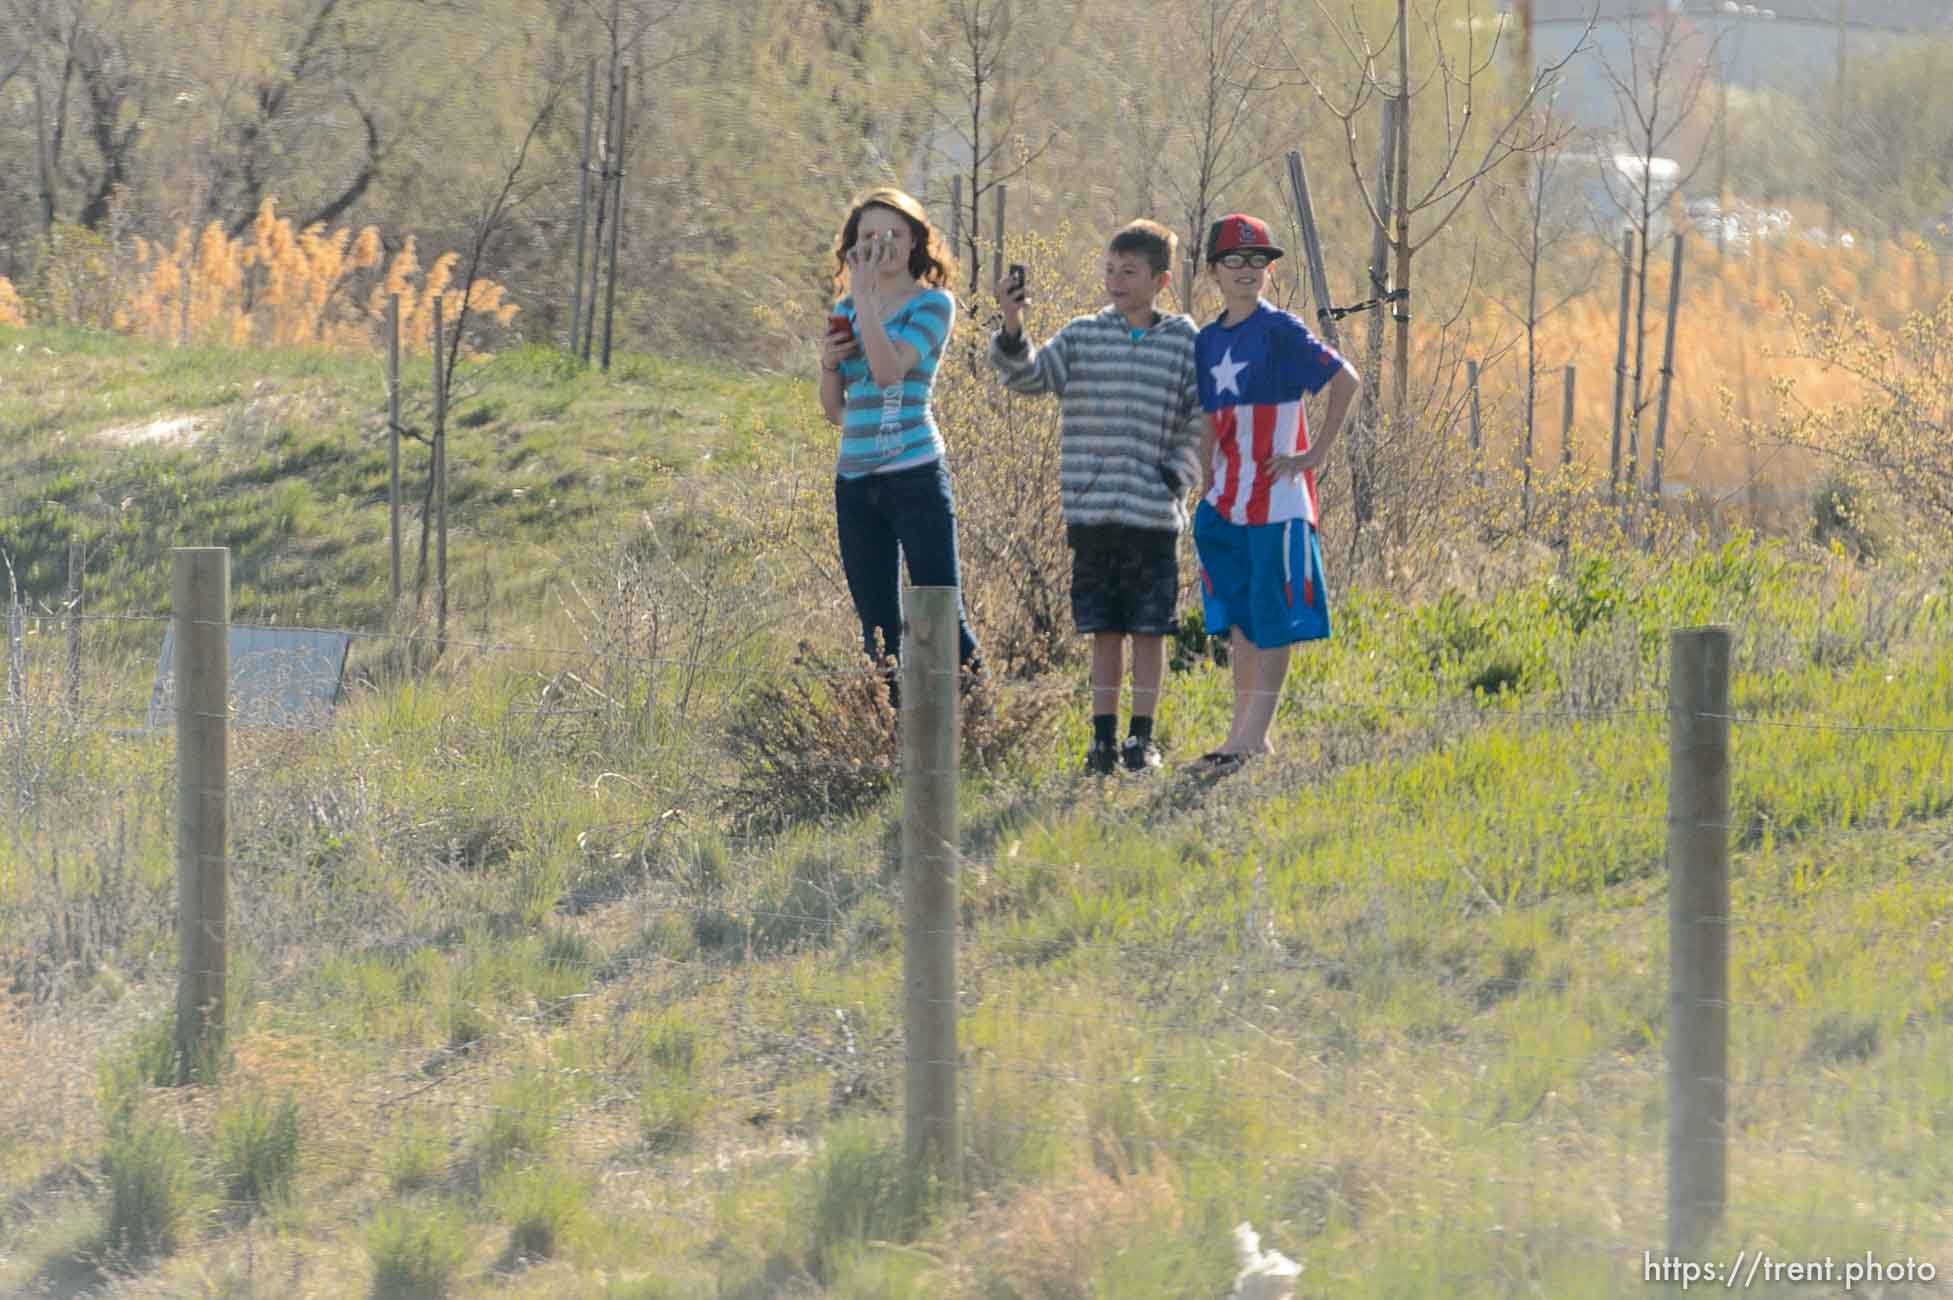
(1532, 382)
(977, 79)
(1400, 416)
(1365, 435)
(1635, 401)
(44, 160)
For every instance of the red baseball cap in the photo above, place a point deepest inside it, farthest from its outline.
(1238, 232)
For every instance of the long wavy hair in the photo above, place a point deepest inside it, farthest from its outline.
(930, 260)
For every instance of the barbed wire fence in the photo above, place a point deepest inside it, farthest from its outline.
(985, 1057)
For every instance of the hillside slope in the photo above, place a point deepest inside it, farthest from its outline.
(523, 1008)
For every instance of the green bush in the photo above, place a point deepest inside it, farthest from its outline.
(416, 1157)
(545, 1209)
(863, 1191)
(259, 1142)
(415, 1251)
(670, 1102)
(521, 1122)
(148, 1173)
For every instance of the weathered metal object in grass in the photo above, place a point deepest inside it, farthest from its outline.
(279, 676)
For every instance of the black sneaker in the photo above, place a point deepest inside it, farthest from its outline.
(1101, 759)
(1140, 755)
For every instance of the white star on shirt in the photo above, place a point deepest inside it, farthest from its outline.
(1224, 373)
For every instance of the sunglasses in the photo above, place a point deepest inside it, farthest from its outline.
(1235, 261)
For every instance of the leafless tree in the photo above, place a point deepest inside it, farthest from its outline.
(1221, 121)
(626, 32)
(1535, 219)
(95, 57)
(1449, 75)
(490, 223)
(991, 66)
(1658, 94)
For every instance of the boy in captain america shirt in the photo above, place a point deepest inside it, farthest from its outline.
(1255, 529)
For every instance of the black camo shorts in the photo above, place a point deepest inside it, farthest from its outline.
(1124, 580)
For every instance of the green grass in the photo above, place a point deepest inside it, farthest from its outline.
(290, 467)
(1396, 995)
(150, 1188)
(415, 1249)
(260, 1141)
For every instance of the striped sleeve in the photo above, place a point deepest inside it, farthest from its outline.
(927, 325)
(1038, 369)
(1183, 449)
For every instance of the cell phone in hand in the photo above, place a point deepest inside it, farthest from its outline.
(838, 323)
(1017, 274)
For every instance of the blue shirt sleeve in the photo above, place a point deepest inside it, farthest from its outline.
(854, 368)
(1306, 359)
(925, 326)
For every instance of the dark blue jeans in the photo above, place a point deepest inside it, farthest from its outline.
(915, 510)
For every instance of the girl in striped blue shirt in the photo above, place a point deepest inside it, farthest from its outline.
(891, 488)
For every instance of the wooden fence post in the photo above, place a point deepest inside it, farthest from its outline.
(583, 200)
(1698, 933)
(393, 447)
(1566, 416)
(17, 715)
(588, 341)
(1667, 374)
(1305, 220)
(73, 603)
(200, 608)
(930, 748)
(440, 469)
(616, 207)
(1620, 362)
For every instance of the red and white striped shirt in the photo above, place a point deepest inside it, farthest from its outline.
(1253, 378)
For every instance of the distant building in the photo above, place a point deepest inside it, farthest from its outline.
(1783, 44)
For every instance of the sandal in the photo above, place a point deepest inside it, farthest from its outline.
(1219, 763)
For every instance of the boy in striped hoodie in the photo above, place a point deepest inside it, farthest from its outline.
(1129, 435)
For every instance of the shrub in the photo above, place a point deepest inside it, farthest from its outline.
(1905, 384)
(864, 1190)
(415, 1159)
(521, 1122)
(545, 1209)
(816, 741)
(670, 1102)
(823, 740)
(1838, 515)
(415, 1251)
(259, 1140)
(148, 1172)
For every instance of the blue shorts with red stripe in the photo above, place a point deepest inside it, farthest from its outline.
(1265, 579)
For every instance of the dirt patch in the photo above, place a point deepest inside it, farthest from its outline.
(174, 431)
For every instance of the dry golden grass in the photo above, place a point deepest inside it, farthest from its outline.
(1044, 1243)
(284, 287)
(1734, 345)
